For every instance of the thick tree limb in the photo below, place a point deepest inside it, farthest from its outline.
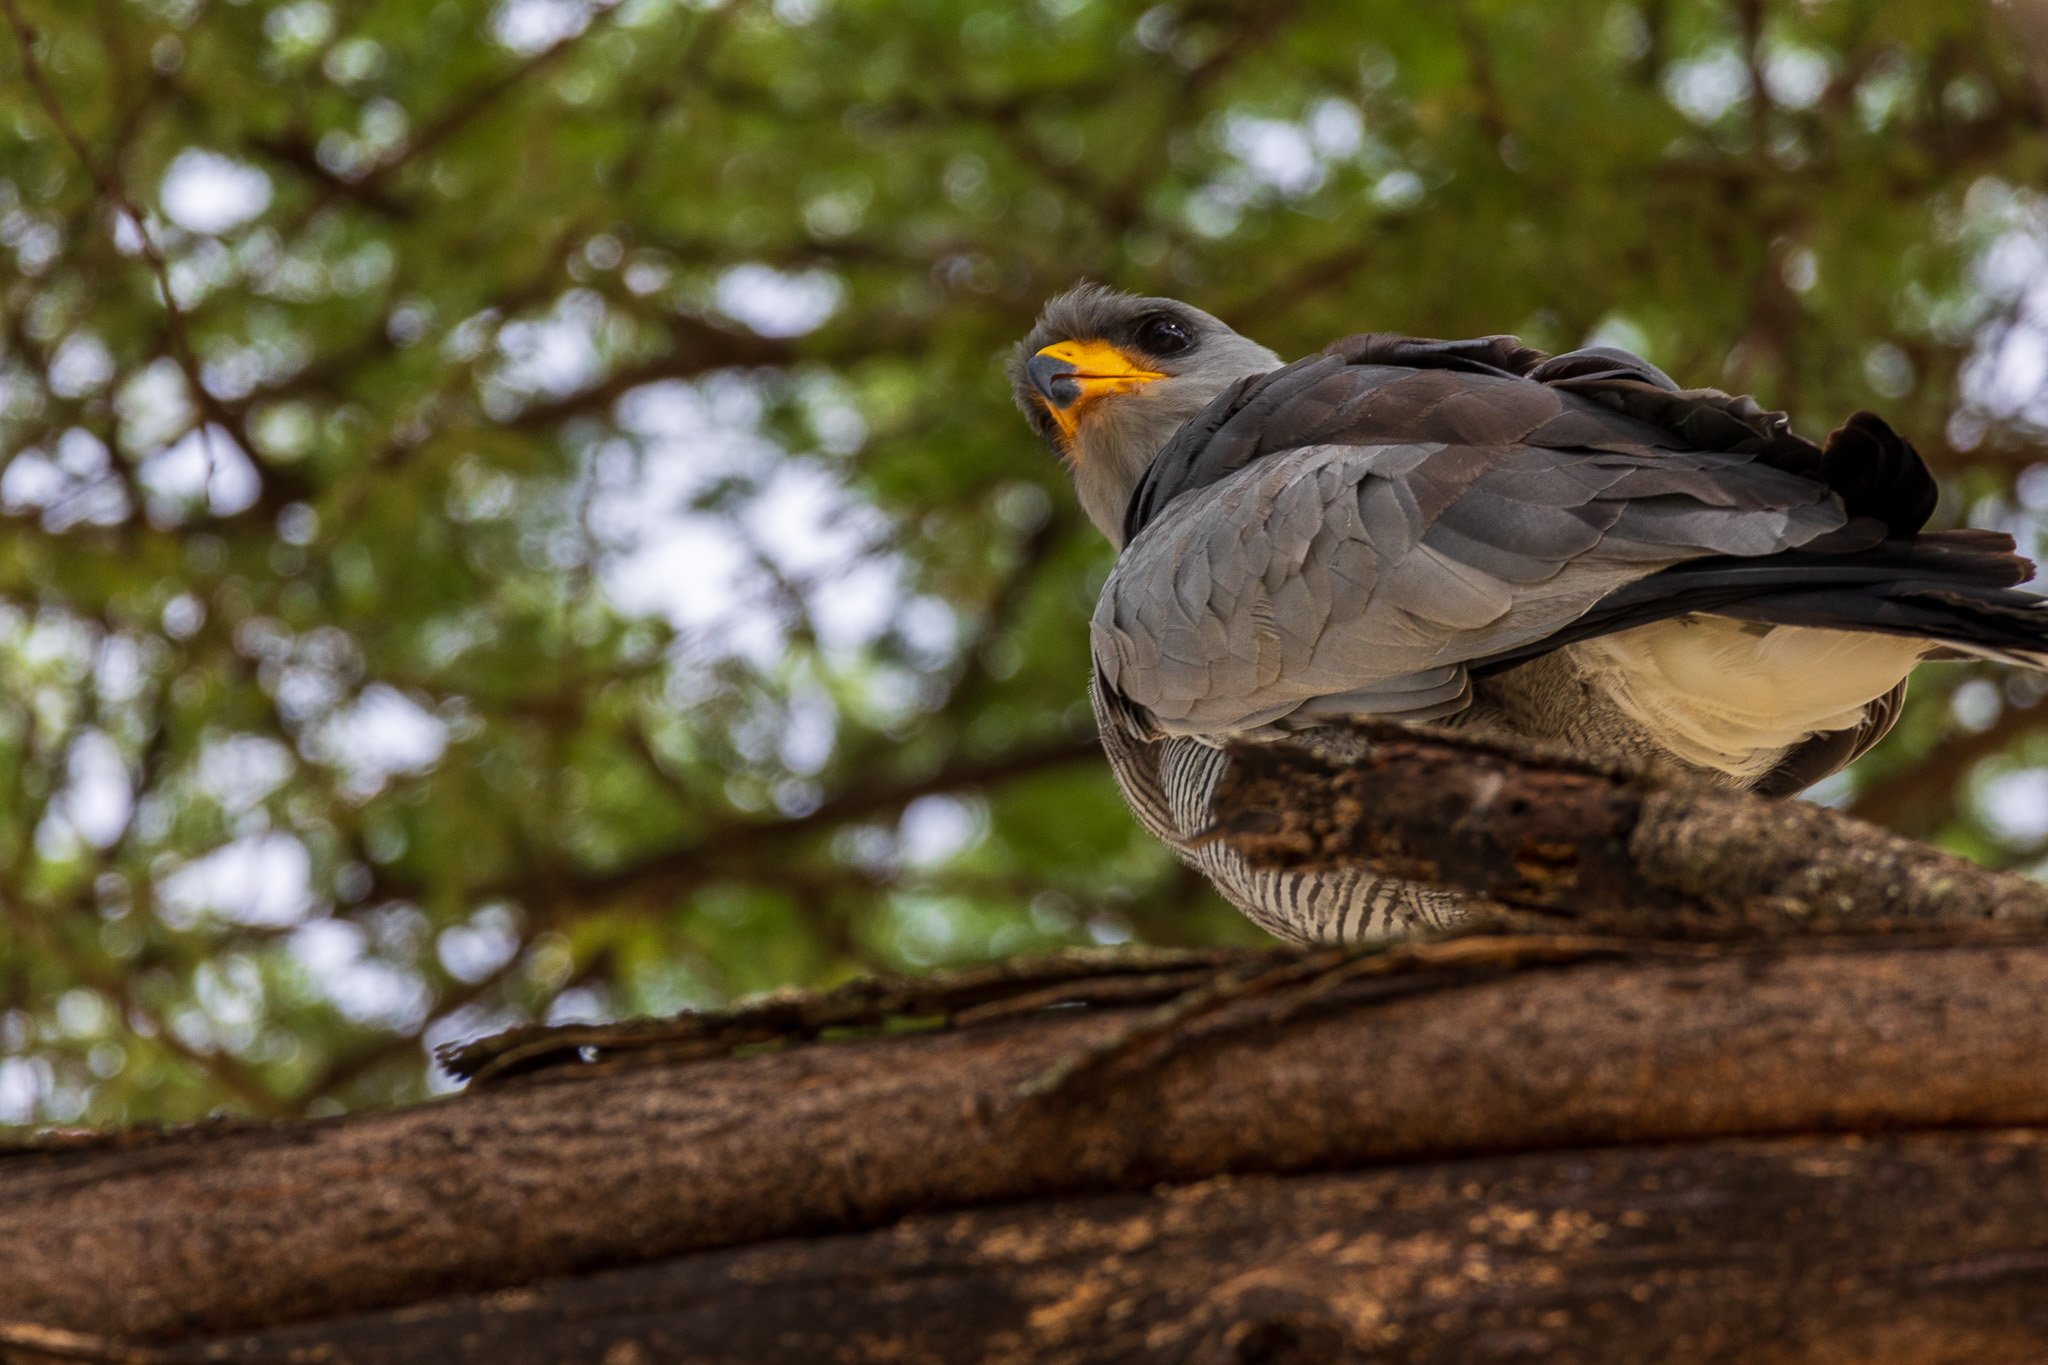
(1455, 1050)
(1909, 1248)
(1545, 832)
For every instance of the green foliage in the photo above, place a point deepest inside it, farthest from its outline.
(568, 549)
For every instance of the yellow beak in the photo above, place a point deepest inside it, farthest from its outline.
(1071, 375)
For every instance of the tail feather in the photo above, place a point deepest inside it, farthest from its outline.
(1969, 620)
(1956, 588)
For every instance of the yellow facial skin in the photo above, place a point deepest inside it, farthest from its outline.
(1100, 370)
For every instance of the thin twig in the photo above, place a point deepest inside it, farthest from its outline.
(111, 190)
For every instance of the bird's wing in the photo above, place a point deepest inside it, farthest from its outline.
(1352, 533)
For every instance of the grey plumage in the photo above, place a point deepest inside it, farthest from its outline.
(1569, 548)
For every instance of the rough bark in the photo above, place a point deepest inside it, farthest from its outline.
(1924, 1248)
(1423, 1054)
(1539, 831)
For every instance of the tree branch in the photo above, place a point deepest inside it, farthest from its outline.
(1896, 1249)
(1545, 832)
(647, 1154)
(110, 189)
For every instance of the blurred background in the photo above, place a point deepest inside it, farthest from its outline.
(565, 548)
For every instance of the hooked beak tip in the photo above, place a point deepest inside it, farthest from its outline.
(1054, 379)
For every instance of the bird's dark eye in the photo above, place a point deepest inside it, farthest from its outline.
(1162, 334)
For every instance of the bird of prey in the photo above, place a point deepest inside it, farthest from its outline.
(1564, 548)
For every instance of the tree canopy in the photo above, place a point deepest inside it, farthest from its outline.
(512, 511)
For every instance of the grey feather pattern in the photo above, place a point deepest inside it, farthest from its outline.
(1387, 561)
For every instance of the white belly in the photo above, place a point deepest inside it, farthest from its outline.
(1734, 695)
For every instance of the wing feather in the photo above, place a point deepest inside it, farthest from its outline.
(1351, 536)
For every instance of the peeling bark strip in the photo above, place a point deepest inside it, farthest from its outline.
(991, 990)
(1922, 1248)
(1536, 830)
(572, 1171)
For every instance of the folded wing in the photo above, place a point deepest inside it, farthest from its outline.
(1358, 532)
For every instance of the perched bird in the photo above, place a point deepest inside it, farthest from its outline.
(1564, 548)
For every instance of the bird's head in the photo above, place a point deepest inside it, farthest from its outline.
(1107, 378)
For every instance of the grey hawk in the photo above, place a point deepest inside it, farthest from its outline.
(1566, 548)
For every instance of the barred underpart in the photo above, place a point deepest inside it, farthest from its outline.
(1169, 784)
